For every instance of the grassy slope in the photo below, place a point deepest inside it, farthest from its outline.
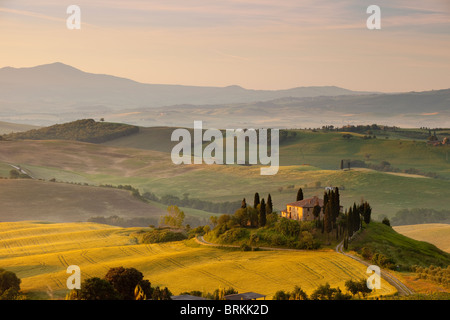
(435, 233)
(62, 202)
(405, 251)
(40, 253)
(153, 171)
(8, 127)
(325, 150)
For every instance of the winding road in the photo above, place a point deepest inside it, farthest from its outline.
(392, 280)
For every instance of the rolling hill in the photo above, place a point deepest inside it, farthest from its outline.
(25, 199)
(435, 233)
(408, 110)
(9, 127)
(153, 171)
(325, 150)
(405, 251)
(87, 130)
(56, 91)
(39, 254)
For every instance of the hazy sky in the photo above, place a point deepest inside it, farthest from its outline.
(257, 44)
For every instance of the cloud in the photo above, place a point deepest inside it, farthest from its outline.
(26, 13)
(31, 14)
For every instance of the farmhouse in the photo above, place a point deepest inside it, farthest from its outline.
(303, 210)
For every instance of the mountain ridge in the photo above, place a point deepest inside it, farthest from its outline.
(53, 93)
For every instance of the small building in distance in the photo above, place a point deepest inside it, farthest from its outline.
(303, 210)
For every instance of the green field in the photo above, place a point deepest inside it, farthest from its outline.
(26, 199)
(405, 251)
(325, 149)
(39, 253)
(309, 161)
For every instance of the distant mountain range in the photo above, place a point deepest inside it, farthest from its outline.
(55, 93)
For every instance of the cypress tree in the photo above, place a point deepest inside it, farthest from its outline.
(357, 220)
(325, 200)
(350, 221)
(327, 218)
(256, 200)
(300, 194)
(345, 240)
(342, 164)
(262, 213)
(243, 204)
(269, 205)
(367, 211)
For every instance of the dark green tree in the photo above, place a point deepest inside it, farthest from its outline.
(298, 294)
(96, 289)
(124, 281)
(327, 218)
(14, 174)
(243, 204)
(9, 285)
(281, 295)
(366, 212)
(350, 221)
(316, 212)
(262, 213)
(324, 292)
(269, 205)
(256, 200)
(299, 194)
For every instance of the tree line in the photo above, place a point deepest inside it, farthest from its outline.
(419, 216)
(119, 283)
(354, 217)
(326, 292)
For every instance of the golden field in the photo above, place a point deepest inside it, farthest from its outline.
(435, 233)
(39, 254)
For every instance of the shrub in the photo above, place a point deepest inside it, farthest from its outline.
(287, 227)
(383, 261)
(366, 253)
(9, 285)
(158, 235)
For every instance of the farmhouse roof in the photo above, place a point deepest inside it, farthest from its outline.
(244, 296)
(307, 203)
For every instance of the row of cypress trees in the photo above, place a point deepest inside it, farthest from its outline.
(263, 208)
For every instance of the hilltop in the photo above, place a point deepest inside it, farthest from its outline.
(87, 130)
